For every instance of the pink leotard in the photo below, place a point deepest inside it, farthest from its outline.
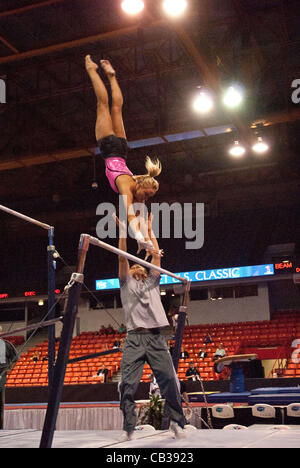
(116, 166)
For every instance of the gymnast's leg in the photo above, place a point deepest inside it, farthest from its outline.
(117, 100)
(104, 126)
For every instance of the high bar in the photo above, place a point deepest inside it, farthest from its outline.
(25, 218)
(145, 264)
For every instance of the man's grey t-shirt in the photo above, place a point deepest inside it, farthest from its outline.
(142, 303)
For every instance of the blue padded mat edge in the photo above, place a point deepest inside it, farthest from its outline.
(271, 399)
(220, 397)
(274, 390)
(272, 396)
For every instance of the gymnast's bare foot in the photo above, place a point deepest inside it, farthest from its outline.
(107, 67)
(89, 64)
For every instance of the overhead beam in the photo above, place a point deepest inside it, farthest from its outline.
(9, 45)
(278, 118)
(47, 158)
(116, 33)
(24, 9)
(75, 43)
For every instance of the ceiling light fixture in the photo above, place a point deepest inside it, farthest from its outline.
(133, 7)
(233, 97)
(175, 8)
(203, 102)
(237, 150)
(260, 146)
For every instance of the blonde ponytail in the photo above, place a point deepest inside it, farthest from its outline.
(154, 168)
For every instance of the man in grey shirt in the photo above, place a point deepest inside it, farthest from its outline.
(144, 318)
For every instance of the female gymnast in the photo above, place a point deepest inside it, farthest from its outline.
(111, 138)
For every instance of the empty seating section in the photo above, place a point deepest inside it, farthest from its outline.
(30, 373)
(292, 327)
(281, 330)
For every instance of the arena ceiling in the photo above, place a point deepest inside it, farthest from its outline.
(47, 146)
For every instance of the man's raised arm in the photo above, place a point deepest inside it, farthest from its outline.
(156, 253)
(123, 262)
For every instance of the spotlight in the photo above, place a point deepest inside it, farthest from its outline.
(237, 150)
(203, 102)
(175, 7)
(233, 97)
(133, 7)
(260, 146)
(41, 302)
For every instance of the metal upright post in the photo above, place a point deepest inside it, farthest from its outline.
(55, 392)
(180, 326)
(2, 398)
(178, 337)
(51, 306)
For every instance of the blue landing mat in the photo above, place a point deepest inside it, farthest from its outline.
(272, 399)
(275, 390)
(220, 397)
(271, 396)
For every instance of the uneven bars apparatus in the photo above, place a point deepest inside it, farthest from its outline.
(71, 309)
(51, 284)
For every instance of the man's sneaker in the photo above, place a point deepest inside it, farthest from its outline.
(177, 430)
(189, 428)
(125, 436)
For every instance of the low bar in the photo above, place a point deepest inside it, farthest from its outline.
(34, 326)
(145, 264)
(25, 218)
(95, 355)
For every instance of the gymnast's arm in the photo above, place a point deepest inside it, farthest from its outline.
(126, 190)
(123, 262)
(156, 253)
(138, 230)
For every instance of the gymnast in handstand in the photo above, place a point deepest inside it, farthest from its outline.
(111, 138)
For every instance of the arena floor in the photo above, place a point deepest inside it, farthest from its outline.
(254, 437)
